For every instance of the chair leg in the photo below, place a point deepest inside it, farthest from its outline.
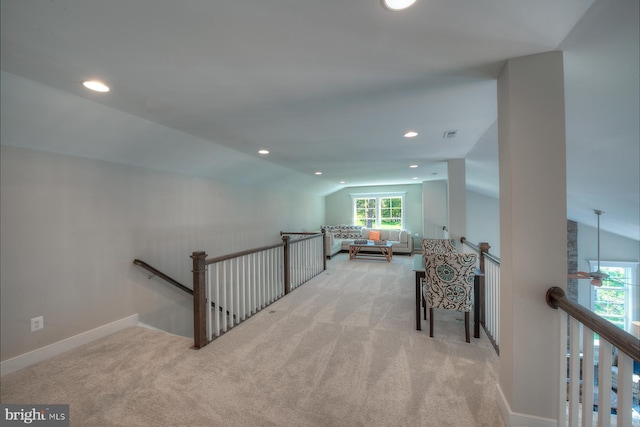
(466, 326)
(430, 322)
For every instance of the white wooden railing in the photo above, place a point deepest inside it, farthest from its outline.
(489, 308)
(588, 396)
(231, 288)
(241, 286)
(307, 258)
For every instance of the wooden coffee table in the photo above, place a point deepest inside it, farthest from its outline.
(386, 251)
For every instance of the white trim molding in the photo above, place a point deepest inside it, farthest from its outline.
(27, 359)
(515, 419)
(378, 194)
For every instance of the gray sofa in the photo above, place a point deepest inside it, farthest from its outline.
(338, 238)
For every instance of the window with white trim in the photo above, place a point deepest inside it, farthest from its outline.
(378, 210)
(617, 299)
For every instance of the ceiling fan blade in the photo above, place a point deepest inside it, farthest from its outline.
(599, 275)
(579, 275)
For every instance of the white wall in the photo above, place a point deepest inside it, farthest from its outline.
(434, 208)
(71, 228)
(483, 221)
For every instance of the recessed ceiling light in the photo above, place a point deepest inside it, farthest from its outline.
(343, 182)
(95, 85)
(263, 151)
(413, 166)
(415, 177)
(397, 4)
(318, 173)
(411, 134)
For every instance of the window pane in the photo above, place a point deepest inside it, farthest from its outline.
(367, 209)
(391, 212)
(609, 299)
(365, 212)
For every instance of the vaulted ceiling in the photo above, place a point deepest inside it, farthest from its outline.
(326, 86)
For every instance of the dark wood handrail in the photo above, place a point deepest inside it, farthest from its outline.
(282, 233)
(242, 253)
(160, 274)
(624, 341)
(301, 239)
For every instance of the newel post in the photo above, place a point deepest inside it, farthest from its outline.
(287, 279)
(484, 248)
(199, 299)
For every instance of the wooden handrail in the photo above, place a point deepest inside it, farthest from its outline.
(624, 341)
(160, 274)
(242, 253)
(282, 233)
(301, 239)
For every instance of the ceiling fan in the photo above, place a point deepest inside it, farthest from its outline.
(596, 276)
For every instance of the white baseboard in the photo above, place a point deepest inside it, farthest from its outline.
(11, 365)
(515, 419)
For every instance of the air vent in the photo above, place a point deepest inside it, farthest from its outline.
(450, 134)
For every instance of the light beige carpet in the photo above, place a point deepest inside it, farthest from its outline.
(341, 350)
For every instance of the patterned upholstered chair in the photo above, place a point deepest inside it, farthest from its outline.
(438, 246)
(450, 285)
(431, 247)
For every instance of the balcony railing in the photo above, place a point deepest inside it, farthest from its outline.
(489, 306)
(589, 393)
(239, 285)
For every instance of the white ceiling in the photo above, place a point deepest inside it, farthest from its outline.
(199, 86)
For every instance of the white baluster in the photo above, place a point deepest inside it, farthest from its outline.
(604, 383)
(588, 366)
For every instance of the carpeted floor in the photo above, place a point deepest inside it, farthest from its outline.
(341, 350)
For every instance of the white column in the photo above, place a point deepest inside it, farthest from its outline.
(457, 199)
(533, 229)
(434, 208)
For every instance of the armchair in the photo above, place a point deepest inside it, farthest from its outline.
(431, 247)
(449, 285)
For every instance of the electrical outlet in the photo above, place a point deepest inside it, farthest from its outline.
(37, 323)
